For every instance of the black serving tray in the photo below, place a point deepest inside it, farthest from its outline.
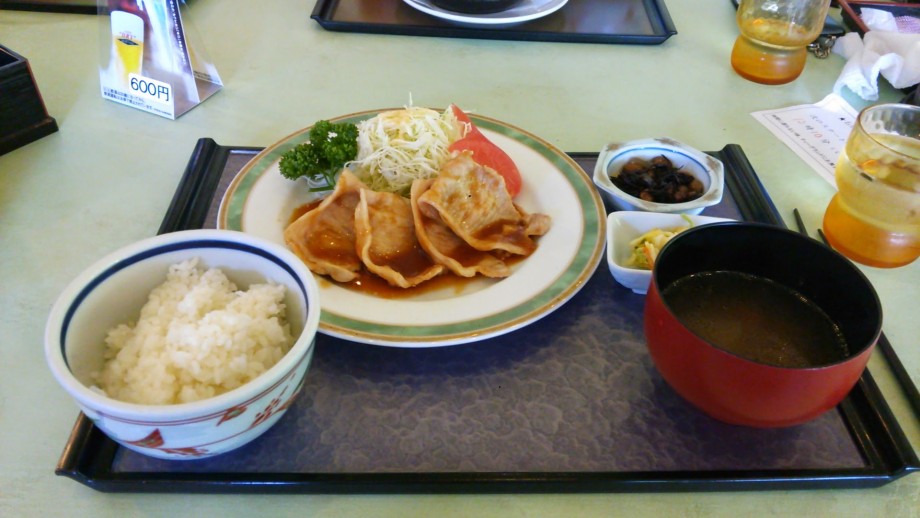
(579, 21)
(570, 403)
(51, 6)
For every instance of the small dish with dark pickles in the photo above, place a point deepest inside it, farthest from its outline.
(658, 175)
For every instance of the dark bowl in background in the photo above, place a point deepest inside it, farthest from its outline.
(475, 6)
(737, 390)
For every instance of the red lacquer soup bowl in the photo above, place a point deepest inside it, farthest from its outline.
(731, 387)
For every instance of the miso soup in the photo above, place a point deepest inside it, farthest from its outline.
(756, 318)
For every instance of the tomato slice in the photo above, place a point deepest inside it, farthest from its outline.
(487, 154)
(463, 117)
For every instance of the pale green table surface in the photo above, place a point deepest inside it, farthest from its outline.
(106, 178)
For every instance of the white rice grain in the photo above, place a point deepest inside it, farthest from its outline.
(197, 336)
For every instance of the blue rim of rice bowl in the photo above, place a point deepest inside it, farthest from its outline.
(167, 248)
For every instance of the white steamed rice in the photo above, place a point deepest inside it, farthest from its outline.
(197, 336)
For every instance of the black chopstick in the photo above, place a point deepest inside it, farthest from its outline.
(823, 237)
(799, 223)
(897, 368)
(900, 373)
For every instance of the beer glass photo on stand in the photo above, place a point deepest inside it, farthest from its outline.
(151, 58)
(128, 44)
(775, 35)
(874, 218)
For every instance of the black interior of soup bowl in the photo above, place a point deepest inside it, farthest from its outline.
(798, 262)
(475, 6)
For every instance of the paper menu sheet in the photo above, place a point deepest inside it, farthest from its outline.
(816, 132)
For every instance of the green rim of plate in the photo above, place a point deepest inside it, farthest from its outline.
(569, 282)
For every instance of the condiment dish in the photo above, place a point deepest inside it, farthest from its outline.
(113, 290)
(705, 168)
(625, 226)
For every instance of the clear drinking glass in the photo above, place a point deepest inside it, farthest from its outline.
(874, 218)
(774, 37)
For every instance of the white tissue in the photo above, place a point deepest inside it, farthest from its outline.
(878, 20)
(883, 51)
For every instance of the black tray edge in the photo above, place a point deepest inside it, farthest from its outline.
(75, 8)
(483, 483)
(89, 454)
(323, 12)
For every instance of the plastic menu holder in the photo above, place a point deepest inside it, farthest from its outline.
(152, 57)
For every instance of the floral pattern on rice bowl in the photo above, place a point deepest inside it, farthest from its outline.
(180, 438)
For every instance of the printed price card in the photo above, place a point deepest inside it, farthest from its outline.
(152, 59)
(816, 132)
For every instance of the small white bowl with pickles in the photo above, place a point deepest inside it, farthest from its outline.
(682, 161)
(624, 227)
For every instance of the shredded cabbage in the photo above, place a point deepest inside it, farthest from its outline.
(400, 146)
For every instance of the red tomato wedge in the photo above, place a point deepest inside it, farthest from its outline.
(487, 154)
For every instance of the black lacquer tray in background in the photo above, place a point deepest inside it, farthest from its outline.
(570, 403)
(643, 22)
(51, 6)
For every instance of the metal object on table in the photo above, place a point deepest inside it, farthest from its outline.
(822, 46)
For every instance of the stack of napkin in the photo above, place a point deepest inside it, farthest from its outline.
(891, 48)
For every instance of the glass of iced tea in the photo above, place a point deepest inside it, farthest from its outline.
(874, 218)
(771, 48)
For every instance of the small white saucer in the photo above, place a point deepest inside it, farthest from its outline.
(626, 225)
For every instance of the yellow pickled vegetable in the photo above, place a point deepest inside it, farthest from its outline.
(645, 248)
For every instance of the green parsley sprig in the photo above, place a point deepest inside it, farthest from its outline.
(330, 147)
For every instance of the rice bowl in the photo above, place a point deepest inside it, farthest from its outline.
(112, 292)
(197, 336)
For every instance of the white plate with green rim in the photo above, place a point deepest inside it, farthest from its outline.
(260, 201)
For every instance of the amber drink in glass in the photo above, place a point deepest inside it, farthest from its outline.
(874, 218)
(775, 34)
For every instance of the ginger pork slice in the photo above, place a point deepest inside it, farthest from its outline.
(324, 238)
(386, 240)
(472, 200)
(445, 247)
